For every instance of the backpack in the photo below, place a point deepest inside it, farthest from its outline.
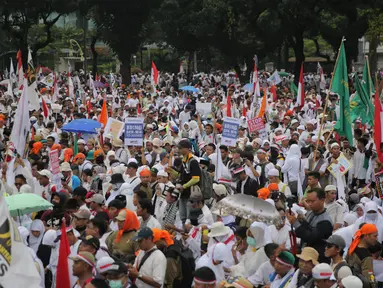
(206, 184)
(262, 177)
(354, 271)
(187, 264)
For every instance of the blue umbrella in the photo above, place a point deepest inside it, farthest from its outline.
(82, 126)
(189, 88)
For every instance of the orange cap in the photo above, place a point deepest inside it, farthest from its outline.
(273, 187)
(263, 193)
(145, 173)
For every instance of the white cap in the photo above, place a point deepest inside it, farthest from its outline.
(294, 121)
(81, 141)
(330, 188)
(219, 189)
(104, 264)
(352, 282)
(322, 271)
(25, 189)
(273, 172)
(301, 127)
(65, 167)
(258, 141)
(334, 145)
(45, 173)
(162, 173)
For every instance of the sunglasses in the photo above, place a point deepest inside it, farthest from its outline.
(329, 246)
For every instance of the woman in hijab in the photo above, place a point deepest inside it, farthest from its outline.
(214, 259)
(50, 240)
(291, 168)
(111, 155)
(255, 254)
(371, 216)
(359, 210)
(36, 234)
(349, 219)
(24, 233)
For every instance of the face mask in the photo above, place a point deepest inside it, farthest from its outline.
(251, 241)
(116, 186)
(115, 283)
(371, 216)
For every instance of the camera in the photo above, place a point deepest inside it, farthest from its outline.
(291, 200)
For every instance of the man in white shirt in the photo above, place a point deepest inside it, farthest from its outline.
(333, 208)
(184, 116)
(149, 271)
(121, 153)
(131, 182)
(274, 178)
(144, 208)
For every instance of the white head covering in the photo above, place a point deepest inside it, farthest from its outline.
(49, 238)
(24, 233)
(294, 153)
(350, 218)
(34, 242)
(107, 161)
(258, 230)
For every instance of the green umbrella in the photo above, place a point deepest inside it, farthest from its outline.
(283, 74)
(21, 204)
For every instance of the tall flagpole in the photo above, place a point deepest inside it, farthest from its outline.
(326, 104)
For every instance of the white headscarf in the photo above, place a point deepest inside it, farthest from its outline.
(217, 252)
(49, 238)
(350, 218)
(194, 130)
(377, 221)
(107, 161)
(34, 242)
(24, 233)
(258, 230)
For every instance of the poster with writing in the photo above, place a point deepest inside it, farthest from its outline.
(230, 131)
(257, 124)
(378, 270)
(54, 161)
(114, 127)
(204, 109)
(342, 166)
(134, 131)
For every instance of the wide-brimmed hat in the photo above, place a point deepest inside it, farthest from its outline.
(309, 254)
(218, 229)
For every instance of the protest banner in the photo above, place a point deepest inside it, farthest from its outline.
(54, 161)
(274, 79)
(204, 109)
(230, 131)
(113, 127)
(134, 131)
(257, 124)
(342, 166)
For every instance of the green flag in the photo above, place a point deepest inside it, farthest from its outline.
(340, 87)
(361, 106)
(75, 146)
(293, 89)
(367, 81)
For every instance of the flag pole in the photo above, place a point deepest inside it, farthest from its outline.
(326, 104)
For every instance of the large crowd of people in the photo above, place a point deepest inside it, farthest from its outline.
(141, 216)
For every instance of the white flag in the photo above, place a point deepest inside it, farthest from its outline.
(274, 79)
(322, 81)
(33, 97)
(12, 75)
(17, 266)
(9, 91)
(21, 126)
(91, 86)
(221, 171)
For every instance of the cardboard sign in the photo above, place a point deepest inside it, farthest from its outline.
(230, 131)
(134, 131)
(113, 127)
(54, 161)
(257, 124)
(343, 166)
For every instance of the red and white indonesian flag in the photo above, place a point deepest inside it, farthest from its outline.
(155, 75)
(301, 90)
(33, 97)
(20, 70)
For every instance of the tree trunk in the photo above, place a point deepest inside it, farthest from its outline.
(373, 57)
(94, 56)
(126, 71)
(299, 55)
(190, 66)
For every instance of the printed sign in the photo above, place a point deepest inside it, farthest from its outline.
(204, 109)
(54, 161)
(134, 131)
(342, 166)
(257, 124)
(113, 127)
(230, 131)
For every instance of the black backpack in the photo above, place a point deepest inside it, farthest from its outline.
(206, 184)
(262, 177)
(187, 263)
